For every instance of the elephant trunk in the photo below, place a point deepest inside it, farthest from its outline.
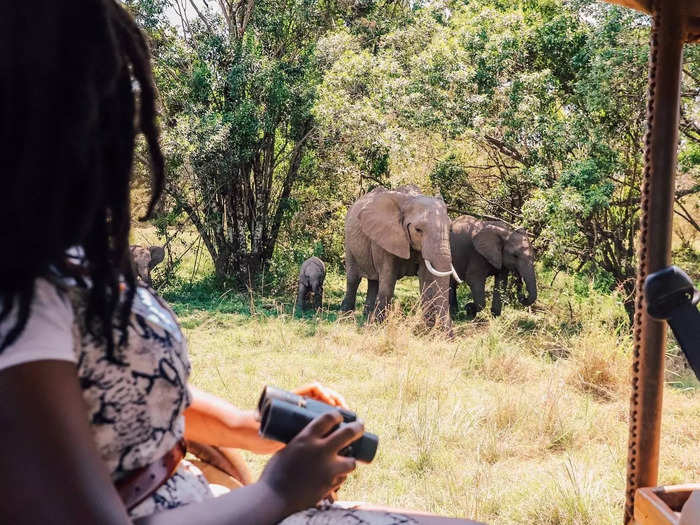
(435, 282)
(527, 275)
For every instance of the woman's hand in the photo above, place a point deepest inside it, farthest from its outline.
(321, 393)
(309, 467)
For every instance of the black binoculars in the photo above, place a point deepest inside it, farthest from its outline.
(284, 414)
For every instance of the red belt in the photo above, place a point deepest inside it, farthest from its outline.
(138, 484)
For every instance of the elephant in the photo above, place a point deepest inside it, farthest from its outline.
(483, 248)
(391, 234)
(311, 276)
(145, 259)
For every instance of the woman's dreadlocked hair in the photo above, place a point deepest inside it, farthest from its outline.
(67, 131)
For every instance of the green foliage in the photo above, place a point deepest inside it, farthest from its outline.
(588, 180)
(238, 96)
(540, 108)
(531, 111)
(450, 177)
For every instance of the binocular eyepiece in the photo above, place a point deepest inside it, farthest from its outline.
(284, 414)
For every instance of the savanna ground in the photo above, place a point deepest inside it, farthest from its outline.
(518, 419)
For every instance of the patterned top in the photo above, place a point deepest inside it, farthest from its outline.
(136, 398)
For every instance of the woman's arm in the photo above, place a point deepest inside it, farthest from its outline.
(52, 472)
(214, 421)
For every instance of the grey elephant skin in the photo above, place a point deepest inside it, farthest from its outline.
(391, 234)
(144, 259)
(483, 248)
(312, 273)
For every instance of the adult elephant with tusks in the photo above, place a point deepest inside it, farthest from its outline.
(483, 248)
(392, 234)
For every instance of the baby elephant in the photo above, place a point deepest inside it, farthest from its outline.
(311, 276)
(145, 259)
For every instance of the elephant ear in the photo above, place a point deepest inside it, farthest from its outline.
(380, 220)
(139, 254)
(489, 243)
(157, 256)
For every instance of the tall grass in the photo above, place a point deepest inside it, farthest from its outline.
(517, 419)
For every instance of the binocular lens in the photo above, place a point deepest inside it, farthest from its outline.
(282, 421)
(270, 392)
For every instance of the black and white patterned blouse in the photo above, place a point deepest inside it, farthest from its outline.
(135, 399)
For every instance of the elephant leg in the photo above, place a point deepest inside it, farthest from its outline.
(318, 296)
(454, 305)
(352, 281)
(499, 287)
(478, 288)
(301, 293)
(370, 301)
(384, 296)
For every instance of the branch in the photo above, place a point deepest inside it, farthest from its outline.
(226, 12)
(194, 217)
(246, 16)
(686, 215)
(684, 193)
(497, 205)
(506, 149)
(183, 18)
(201, 16)
(294, 151)
(690, 75)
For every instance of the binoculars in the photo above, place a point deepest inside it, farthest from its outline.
(284, 414)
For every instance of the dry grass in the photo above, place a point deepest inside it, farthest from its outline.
(518, 419)
(490, 425)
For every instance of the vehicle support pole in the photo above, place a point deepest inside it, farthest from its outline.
(663, 113)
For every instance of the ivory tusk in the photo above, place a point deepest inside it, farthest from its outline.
(435, 272)
(456, 277)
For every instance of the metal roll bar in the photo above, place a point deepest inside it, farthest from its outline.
(675, 22)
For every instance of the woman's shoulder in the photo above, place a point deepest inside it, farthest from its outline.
(48, 333)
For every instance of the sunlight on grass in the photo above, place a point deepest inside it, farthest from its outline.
(517, 419)
(489, 425)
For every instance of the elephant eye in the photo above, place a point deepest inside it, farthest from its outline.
(419, 230)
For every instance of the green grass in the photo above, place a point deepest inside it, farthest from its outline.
(518, 419)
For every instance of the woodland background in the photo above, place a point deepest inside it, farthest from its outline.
(277, 114)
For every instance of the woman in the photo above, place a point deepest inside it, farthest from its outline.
(93, 368)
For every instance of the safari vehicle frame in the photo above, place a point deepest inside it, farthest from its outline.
(674, 23)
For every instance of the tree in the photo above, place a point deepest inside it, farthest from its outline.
(237, 85)
(277, 115)
(540, 108)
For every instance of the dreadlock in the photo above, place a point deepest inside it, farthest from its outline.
(67, 133)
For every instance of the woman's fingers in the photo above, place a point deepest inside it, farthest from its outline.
(322, 393)
(338, 481)
(322, 425)
(339, 400)
(344, 466)
(345, 435)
